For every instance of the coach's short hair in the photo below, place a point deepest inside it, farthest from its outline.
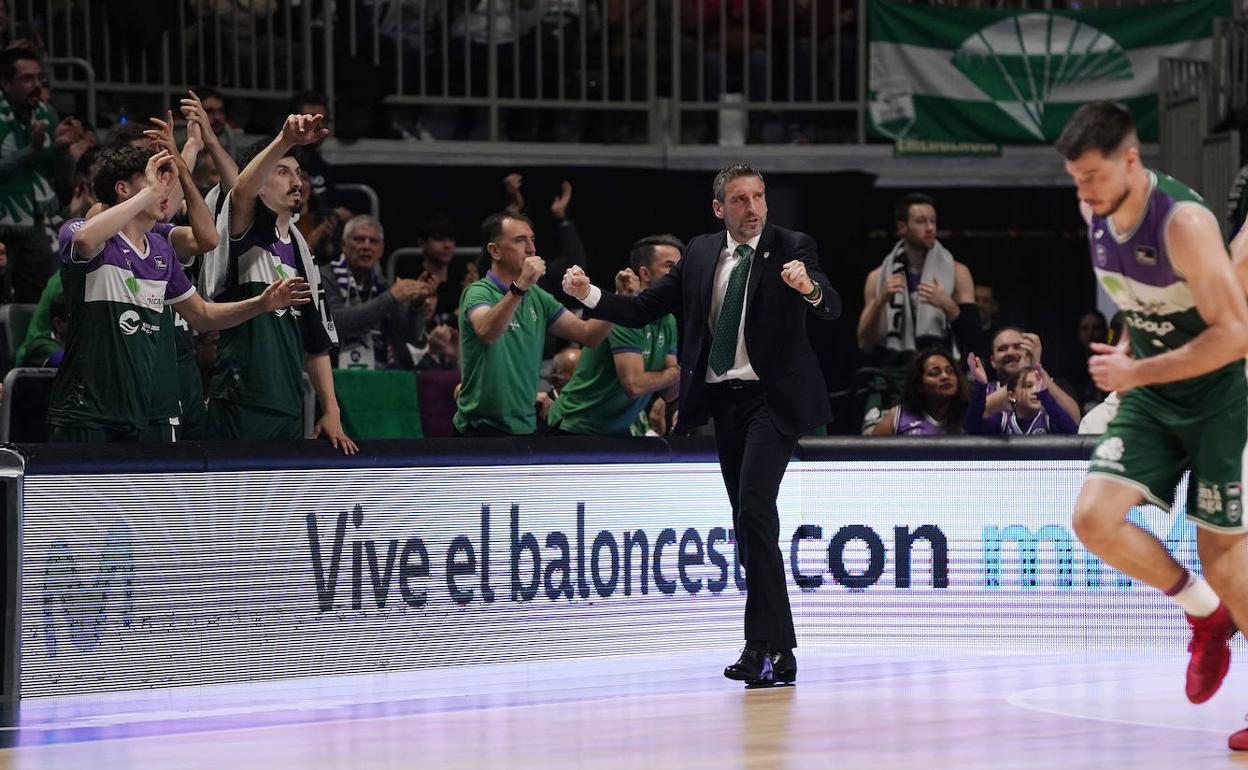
(492, 230)
(735, 171)
(1103, 126)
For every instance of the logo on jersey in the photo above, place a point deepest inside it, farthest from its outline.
(1208, 498)
(1102, 256)
(129, 322)
(1146, 256)
(160, 262)
(1109, 454)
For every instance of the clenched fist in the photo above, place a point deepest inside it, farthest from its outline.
(576, 283)
(627, 282)
(533, 269)
(794, 274)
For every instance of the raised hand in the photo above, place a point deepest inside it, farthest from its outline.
(627, 282)
(1032, 349)
(575, 282)
(159, 173)
(532, 270)
(515, 199)
(162, 135)
(794, 274)
(68, 131)
(195, 115)
(895, 284)
(304, 129)
(286, 292)
(194, 137)
(559, 207)
(976, 368)
(408, 289)
(1041, 379)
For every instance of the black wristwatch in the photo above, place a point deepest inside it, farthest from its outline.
(517, 290)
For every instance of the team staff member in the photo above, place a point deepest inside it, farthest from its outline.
(745, 296)
(612, 381)
(502, 329)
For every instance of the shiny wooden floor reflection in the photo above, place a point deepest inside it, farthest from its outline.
(919, 710)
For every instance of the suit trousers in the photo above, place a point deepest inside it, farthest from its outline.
(753, 455)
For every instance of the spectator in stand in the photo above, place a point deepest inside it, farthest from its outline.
(1032, 410)
(502, 326)
(376, 321)
(436, 239)
(1092, 328)
(562, 369)
(1096, 420)
(919, 297)
(212, 104)
(1014, 350)
(933, 400)
(569, 249)
(614, 381)
(49, 350)
(129, 134)
(28, 157)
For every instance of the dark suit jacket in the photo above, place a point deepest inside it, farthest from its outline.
(775, 325)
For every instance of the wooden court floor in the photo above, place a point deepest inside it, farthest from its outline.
(849, 710)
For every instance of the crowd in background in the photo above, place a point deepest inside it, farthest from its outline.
(943, 356)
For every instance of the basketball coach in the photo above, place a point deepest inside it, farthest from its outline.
(744, 294)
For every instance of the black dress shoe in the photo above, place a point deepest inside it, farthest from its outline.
(753, 667)
(783, 666)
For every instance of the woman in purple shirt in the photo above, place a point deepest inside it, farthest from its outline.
(933, 400)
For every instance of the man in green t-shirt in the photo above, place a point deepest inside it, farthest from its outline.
(502, 327)
(613, 381)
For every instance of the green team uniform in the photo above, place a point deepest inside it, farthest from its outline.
(1160, 431)
(594, 401)
(40, 343)
(500, 380)
(256, 390)
(109, 385)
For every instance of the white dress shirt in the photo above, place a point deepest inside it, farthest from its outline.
(728, 259)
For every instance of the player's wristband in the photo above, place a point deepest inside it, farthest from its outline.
(517, 290)
(814, 295)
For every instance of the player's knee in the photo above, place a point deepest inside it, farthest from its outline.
(1093, 526)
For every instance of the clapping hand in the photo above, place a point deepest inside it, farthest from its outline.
(627, 282)
(559, 208)
(976, 367)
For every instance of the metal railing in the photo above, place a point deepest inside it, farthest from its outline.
(252, 48)
(646, 71)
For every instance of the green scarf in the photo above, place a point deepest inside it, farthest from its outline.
(28, 191)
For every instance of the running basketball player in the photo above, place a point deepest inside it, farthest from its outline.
(1158, 251)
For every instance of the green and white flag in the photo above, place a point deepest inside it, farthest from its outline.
(1015, 77)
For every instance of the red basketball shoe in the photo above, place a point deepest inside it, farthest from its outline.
(1239, 740)
(1211, 654)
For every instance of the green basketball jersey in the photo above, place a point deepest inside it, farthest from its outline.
(594, 401)
(111, 374)
(1161, 313)
(500, 380)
